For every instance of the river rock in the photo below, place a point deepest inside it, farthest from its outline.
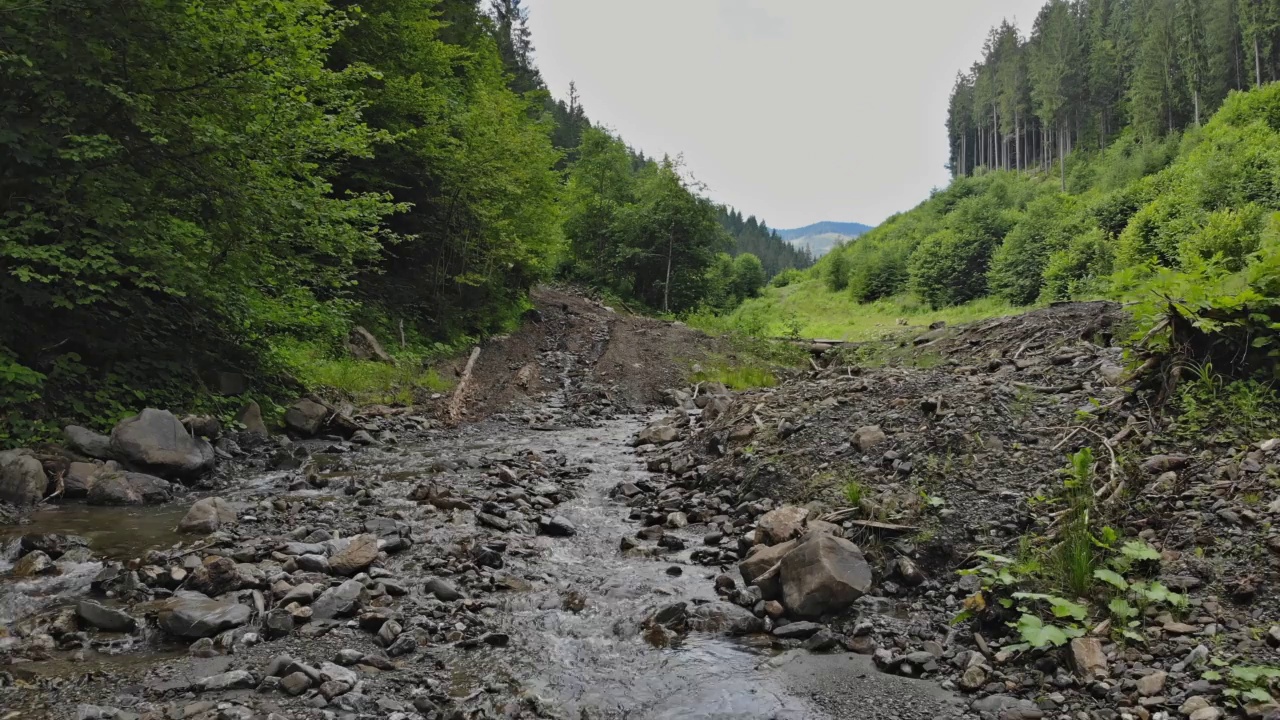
(783, 524)
(724, 617)
(87, 442)
(761, 559)
(556, 526)
(157, 442)
(33, 564)
(339, 601)
(207, 515)
(823, 574)
(79, 479)
(129, 488)
(868, 436)
(1087, 657)
(55, 545)
(105, 618)
(660, 432)
(295, 683)
(251, 417)
(218, 575)
(306, 417)
(233, 680)
(355, 555)
(797, 630)
(194, 615)
(442, 589)
(22, 478)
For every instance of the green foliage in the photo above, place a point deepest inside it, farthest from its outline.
(1074, 558)
(854, 492)
(1037, 634)
(737, 376)
(785, 278)
(1237, 410)
(1250, 683)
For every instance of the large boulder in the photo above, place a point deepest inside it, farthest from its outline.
(660, 432)
(756, 566)
(251, 417)
(782, 524)
(79, 479)
(157, 442)
(87, 442)
(22, 478)
(724, 617)
(306, 417)
(353, 555)
(207, 515)
(823, 574)
(129, 488)
(364, 346)
(193, 615)
(105, 618)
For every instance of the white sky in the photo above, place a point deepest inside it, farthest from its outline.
(795, 111)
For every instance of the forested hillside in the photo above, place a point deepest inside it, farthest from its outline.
(190, 190)
(757, 238)
(1122, 147)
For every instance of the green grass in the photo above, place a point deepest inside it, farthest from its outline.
(364, 381)
(809, 310)
(743, 377)
(854, 492)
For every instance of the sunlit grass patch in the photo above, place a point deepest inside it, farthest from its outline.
(364, 381)
(743, 377)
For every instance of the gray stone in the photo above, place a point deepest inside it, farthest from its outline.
(87, 442)
(79, 479)
(868, 436)
(129, 488)
(155, 441)
(105, 618)
(233, 680)
(339, 601)
(251, 417)
(355, 555)
(442, 589)
(33, 564)
(796, 630)
(193, 615)
(780, 525)
(296, 683)
(207, 515)
(724, 617)
(823, 574)
(22, 478)
(306, 417)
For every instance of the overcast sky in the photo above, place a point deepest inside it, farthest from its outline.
(793, 110)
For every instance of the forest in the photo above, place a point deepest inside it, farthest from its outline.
(196, 189)
(1122, 148)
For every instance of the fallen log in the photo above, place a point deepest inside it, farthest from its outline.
(458, 402)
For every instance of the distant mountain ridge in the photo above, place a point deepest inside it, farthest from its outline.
(820, 237)
(848, 229)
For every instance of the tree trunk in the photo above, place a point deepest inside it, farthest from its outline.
(1257, 60)
(1195, 99)
(1062, 158)
(666, 287)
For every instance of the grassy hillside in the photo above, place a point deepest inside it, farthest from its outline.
(1193, 215)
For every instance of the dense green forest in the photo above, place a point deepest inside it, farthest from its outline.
(190, 189)
(756, 237)
(1125, 148)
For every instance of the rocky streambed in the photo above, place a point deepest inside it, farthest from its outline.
(391, 567)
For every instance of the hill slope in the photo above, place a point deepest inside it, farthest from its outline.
(820, 237)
